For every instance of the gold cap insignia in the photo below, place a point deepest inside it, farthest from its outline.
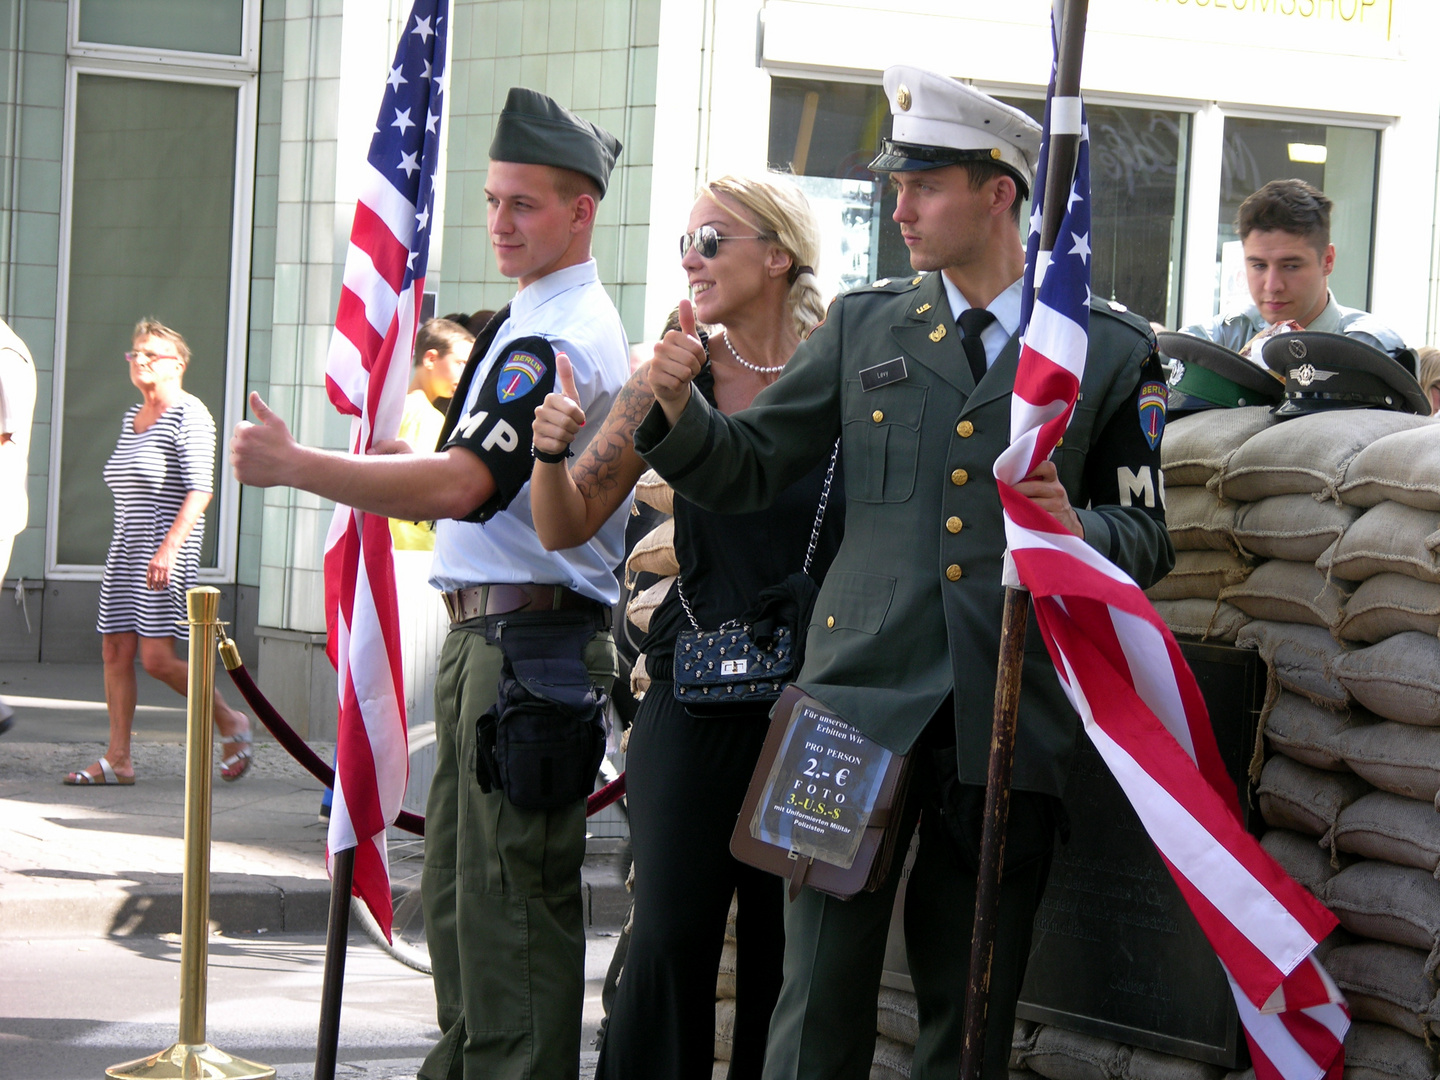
(938, 333)
(902, 97)
(995, 152)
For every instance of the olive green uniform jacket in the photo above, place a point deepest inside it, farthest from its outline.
(911, 606)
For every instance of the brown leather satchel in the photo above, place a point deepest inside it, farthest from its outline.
(823, 804)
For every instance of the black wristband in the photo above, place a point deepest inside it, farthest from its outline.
(549, 458)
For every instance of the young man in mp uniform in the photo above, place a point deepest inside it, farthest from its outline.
(915, 376)
(1285, 233)
(501, 887)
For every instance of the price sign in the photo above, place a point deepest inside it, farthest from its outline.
(822, 787)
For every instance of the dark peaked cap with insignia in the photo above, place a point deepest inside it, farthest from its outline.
(534, 130)
(1335, 371)
(1204, 375)
(939, 122)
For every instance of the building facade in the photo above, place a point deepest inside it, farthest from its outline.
(187, 160)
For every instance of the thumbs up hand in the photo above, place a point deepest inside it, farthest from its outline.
(260, 453)
(559, 418)
(677, 360)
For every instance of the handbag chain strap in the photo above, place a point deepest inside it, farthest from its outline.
(809, 551)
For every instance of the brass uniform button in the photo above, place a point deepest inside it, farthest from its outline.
(959, 477)
(830, 622)
(1060, 442)
(877, 416)
(953, 572)
(964, 429)
(954, 524)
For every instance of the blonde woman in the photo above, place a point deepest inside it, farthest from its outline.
(748, 252)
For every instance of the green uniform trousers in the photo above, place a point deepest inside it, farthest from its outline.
(823, 1027)
(501, 894)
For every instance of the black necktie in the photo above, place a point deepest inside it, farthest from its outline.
(973, 322)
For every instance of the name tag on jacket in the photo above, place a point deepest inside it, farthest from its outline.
(891, 371)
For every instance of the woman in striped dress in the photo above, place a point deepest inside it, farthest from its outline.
(161, 476)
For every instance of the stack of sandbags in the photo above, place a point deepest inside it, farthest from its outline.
(1207, 560)
(1352, 719)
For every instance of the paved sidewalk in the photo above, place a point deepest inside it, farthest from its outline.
(103, 861)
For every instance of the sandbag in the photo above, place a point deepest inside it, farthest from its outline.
(1398, 678)
(1299, 658)
(725, 974)
(892, 1060)
(1306, 455)
(1398, 830)
(643, 605)
(1403, 466)
(1308, 733)
(1385, 984)
(1200, 575)
(654, 553)
(1388, 538)
(1377, 1052)
(1300, 856)
(1153, 1065)
(652, 490)
(898, 1016)
(1058, 1054)
(1400, 758)
(1283, 591)
(1398, 904)
(1389, 604)
(1295, 527)
(1203, 619)
(724, 1029)
(1295, 796)
(1198, 521)
(1196, 446)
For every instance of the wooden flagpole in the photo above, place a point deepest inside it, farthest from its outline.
(1070, 34)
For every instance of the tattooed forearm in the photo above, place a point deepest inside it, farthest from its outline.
(598, 469)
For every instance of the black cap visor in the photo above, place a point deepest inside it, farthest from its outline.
(913, 157)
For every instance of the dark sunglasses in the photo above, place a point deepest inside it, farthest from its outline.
(706, 241)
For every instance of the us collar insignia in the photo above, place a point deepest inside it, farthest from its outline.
(922, 309)
(1154, 397)
(518, 377)
(938, 334)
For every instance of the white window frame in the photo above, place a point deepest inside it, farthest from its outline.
(227, 520)
(248, 59)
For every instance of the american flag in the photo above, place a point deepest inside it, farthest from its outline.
(366, 375)
(1137, 698)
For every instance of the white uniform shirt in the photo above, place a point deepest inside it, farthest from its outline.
(571, 310)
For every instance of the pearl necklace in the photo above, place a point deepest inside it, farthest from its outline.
(746, 363)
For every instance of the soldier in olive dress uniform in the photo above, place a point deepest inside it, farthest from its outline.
(914, 375)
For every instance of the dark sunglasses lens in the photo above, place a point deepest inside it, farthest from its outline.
(707, 242)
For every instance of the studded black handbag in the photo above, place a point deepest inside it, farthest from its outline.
(743, 666)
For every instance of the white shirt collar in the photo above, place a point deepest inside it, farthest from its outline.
(528, 299)
(1005, 308)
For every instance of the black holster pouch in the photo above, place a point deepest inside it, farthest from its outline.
(542, 741)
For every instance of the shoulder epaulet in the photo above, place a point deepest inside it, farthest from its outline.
(1116, 310)
(893, 284)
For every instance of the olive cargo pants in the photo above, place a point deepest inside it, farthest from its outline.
(501, 894)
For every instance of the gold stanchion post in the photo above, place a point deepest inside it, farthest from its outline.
(192, 1058)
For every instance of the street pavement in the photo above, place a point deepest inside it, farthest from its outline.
(90, 888)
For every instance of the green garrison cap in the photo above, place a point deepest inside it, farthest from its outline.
(1204, 375)
(534, 130)
(1338, 371)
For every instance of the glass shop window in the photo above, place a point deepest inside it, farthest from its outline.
(827, 132)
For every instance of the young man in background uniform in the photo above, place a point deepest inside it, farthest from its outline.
(501, 887)
(1285, 232)
(915, 376)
